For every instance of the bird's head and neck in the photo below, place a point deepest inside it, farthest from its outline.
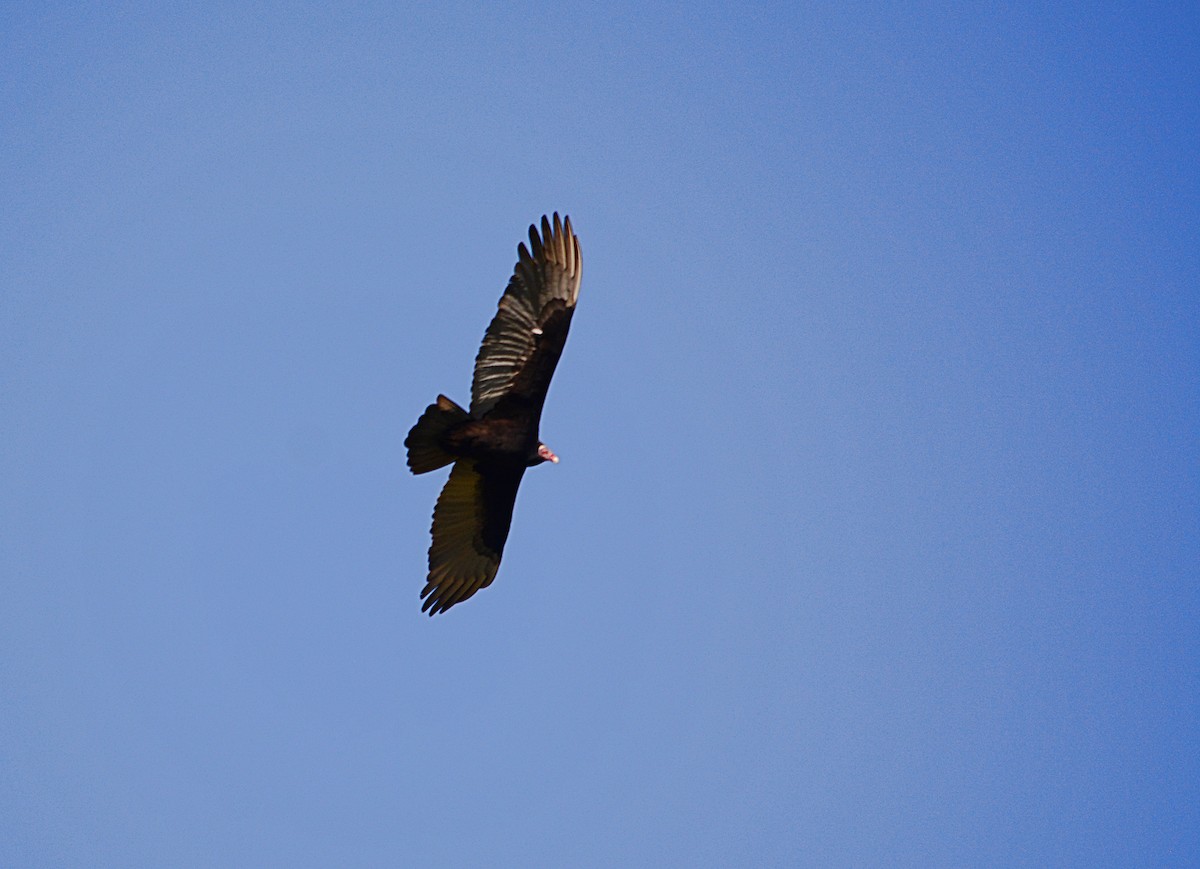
(543, 454)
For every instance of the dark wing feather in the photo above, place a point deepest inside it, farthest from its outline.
(470, 524)
(521, 346)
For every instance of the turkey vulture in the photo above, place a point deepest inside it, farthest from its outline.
(493, 443)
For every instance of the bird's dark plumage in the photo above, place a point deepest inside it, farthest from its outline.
(493, 443)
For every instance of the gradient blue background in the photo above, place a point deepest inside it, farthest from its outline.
(876, 538)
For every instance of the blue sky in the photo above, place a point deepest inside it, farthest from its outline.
(877, 531)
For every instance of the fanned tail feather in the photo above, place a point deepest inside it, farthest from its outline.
(425, 452)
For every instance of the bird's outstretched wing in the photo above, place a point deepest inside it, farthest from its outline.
(525, 339)
(470, 524)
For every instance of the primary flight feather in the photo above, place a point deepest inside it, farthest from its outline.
(493, 443)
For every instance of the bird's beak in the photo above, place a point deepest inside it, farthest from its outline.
(544, 452)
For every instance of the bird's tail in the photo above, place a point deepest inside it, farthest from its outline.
(425, 453)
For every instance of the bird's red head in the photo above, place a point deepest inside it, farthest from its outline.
(546, 455)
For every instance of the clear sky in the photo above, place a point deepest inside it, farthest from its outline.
(876, 536)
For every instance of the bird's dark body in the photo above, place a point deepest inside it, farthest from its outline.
(504, 440)
(492, 444)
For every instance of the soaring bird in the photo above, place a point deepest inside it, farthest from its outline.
(493, 443)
